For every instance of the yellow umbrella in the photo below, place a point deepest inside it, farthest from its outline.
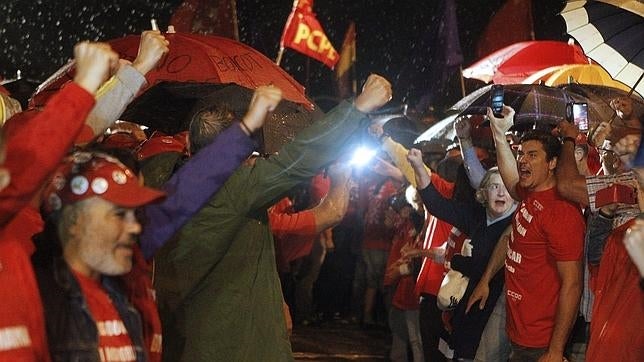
(580, 73)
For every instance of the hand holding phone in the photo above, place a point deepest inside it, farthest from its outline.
(496, 100)
(577, 113)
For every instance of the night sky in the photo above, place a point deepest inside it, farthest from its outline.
(393, 36)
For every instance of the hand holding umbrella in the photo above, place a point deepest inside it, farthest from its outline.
(152, 47)
(265, 100)
(94, 63)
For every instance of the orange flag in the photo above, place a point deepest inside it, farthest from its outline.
(304, 33)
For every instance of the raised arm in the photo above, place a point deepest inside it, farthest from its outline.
(334, 206)
(396, 151)
(40, 139)
(313, 148)
(570, 184)
(202, 176)
(316, 220)
(505, 157)
(473, 167)
(422, 174)
(115, 95)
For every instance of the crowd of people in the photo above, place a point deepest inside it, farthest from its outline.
(117, 245)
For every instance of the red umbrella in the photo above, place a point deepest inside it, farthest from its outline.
(197, 58)
(518, 61)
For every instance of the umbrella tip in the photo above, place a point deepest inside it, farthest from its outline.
(18, 74)
(571, 41)
(153, 23)
(171, 29)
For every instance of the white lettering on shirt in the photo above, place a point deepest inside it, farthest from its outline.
(117, 354)
(526, 215)
(514, 256)
(14, 337)
(514, 295)
(111, 328)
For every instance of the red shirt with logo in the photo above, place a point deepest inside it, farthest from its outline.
(545, 229)
(114, 343)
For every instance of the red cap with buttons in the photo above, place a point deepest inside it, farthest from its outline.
(92, 174)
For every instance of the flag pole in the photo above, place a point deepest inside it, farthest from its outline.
(286, 26)
(460, 73)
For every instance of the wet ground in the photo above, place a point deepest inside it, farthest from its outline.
(337, 341)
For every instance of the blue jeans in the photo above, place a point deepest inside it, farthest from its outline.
(495, 344)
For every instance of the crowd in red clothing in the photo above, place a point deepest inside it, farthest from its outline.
(533, 235)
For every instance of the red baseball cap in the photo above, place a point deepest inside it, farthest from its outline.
(160, 143)
(86, 175)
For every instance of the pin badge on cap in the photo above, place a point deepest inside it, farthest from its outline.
(99, 185)
(79, 185)
(119, 177)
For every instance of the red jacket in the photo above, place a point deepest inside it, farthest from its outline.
(618, 309)
(22, 323)
(35, 143)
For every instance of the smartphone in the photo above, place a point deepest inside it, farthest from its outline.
(580, 116)
(496, 100)
(616, 194)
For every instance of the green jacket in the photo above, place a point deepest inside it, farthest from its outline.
(219, 293)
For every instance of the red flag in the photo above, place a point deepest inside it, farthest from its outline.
(511, 24)
(344, 73)
(305, 34)
(209, 17)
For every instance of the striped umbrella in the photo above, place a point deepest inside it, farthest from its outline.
(611, 32)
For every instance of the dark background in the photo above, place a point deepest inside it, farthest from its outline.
(394, 37)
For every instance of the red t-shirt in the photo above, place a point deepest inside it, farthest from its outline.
(114, 343)
(545, 229)
(618, 309)
(22, 320)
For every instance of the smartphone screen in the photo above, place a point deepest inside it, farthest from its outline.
(580, 116)
(496, 99)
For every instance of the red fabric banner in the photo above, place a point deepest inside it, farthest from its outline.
(304, 34)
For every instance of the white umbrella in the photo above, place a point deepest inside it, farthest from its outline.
(611, 32)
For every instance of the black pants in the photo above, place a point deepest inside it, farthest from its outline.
(431, 328)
